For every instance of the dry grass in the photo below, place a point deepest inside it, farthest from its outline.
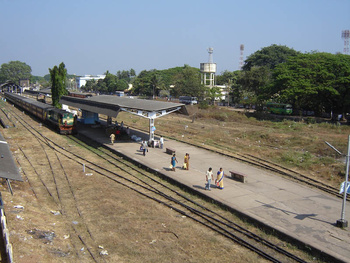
(130, 227)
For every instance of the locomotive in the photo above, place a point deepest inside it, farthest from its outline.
(61, 120)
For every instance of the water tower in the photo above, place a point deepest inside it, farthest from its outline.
(208, 70)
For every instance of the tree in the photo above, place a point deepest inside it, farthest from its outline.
(58, 82)
(156, 82)
(40, 81)
(90, 85)
(226, 77)
(143, 84)
(125, 75)
(314, 81)
(258, 69)
(188, 83)
(109, 83)
(161, 80)
(213, 94)
(256, 80)
(14, 71)
(121, 85)
(233, 88)
(269, 57)
(132, 73)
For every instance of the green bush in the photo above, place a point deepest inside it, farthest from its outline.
(203, 105)
(310, 120)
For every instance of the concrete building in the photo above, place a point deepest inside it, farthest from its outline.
(81, 81)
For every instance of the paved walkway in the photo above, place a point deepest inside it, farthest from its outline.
(303, 213)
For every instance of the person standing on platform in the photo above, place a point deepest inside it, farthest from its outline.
(209, 176)
(144, 148)
(117, 133)
(220, 179)
(161, 141)
(173, 162)
(187, 161)
(112, 136)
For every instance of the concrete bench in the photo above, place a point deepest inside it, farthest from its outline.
(170, 151)
(239, 176)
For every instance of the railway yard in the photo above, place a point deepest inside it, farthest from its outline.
(84, 201)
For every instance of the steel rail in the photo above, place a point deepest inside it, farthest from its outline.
(43, 140)
(157, 192)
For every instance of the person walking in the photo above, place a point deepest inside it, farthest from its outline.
(220, 179)
(173, 162)
(209, 176)
(161, 141)
(112, 136)
(187, 161)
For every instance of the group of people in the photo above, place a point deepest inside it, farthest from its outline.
(186, 164)
(219, 181)
(118, 131)
(144, 145)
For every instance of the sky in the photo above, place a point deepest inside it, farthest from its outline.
(91, 37)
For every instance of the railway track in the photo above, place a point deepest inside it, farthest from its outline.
(58, 188)
(5, 119)
(146, 184)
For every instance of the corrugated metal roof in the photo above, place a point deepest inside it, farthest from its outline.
(8, 168)
(111, 105)
(137, 104)
(92, 106)
(31, 101)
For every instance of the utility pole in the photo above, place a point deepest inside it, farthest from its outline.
(342, 222)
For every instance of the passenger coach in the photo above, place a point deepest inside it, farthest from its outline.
(63, 121)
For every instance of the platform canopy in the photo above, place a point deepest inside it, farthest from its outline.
(111, 105)
(8, 168)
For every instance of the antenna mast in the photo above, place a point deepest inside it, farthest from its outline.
(210, 51)
(241, 56)
(345, 34)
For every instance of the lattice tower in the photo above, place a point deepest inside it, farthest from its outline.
(345, 34)
(241, 56)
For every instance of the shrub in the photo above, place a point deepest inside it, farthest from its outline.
(203, 105)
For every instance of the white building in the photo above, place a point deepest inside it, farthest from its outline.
(81, 81)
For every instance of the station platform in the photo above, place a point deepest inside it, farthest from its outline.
(302, 213)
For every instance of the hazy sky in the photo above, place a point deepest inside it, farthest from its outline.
(91, 37)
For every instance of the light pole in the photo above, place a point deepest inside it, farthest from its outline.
(342, 222)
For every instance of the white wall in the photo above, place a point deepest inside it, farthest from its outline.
(81, 81)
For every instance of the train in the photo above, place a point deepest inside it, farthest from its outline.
(63, 121)
(79, 95)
